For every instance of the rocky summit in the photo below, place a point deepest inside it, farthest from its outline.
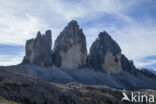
(70, 48)
(105, 55)
(38, 51)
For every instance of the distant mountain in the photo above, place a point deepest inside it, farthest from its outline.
(148, 73)
(151, 67)
(152, 70)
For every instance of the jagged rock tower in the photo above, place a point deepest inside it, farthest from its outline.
(70, 51)
(70, 48)
(105, 55)
(38, 51)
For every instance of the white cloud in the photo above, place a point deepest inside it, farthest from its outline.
(10, 60)
(17, 29)
(137, 43)
(22, 19)
(141, 64)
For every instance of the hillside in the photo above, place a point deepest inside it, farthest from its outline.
(23, 89)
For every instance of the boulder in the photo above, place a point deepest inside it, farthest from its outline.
(38, 51)
(70, 48)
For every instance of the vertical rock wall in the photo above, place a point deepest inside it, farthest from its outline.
(70, 48)
(38, 51)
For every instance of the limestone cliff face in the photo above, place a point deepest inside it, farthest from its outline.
(70, 48)
(70, 51)
(38, 51)
(105, 55)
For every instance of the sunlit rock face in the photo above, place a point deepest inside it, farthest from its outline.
(112, 63)
(105, 54)
(38, 51)
(70, 48)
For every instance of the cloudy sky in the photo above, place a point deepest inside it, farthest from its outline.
(132, 23)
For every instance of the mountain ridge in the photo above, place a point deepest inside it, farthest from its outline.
(67, 74)
(70, 52)
(68, 61)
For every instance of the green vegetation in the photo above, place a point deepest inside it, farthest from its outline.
(4, 101)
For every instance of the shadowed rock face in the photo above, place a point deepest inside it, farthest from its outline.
(70, 48)
(128, 65)
(38, 50)
(105, 54)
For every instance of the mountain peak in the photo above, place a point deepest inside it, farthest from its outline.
(48, 33)
(73, 23)
(105, 54)
(39, 34)
(72, 26)
(104, 35)
(70, 47)
(38, 50)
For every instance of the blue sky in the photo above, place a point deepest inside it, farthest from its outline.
(132, 23)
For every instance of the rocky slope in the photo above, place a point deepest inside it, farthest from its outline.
(122, 80)
(20, 88)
